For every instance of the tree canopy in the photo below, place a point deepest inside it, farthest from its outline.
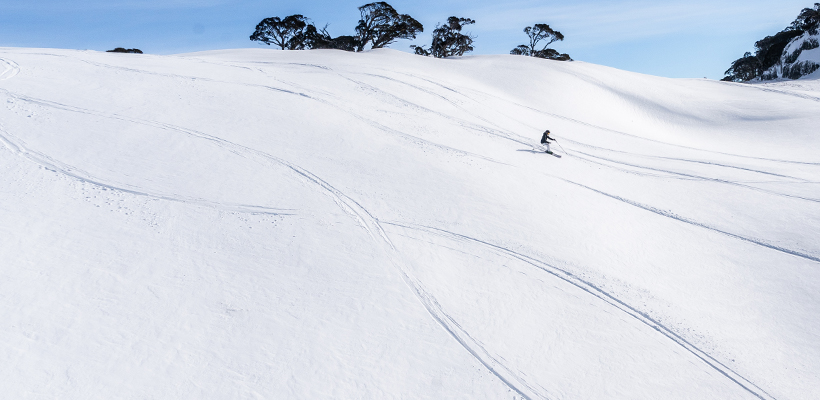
(808, 20)
(745, 68)
(448, 40)
(321, 39)
(124, 50)
(541, 36)
(287, 33)
(295, 32)
(381, 24)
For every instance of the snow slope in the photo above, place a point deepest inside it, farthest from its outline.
(321, 224)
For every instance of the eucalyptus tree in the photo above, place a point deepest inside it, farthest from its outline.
(381, 24)
(448, 40)
(541, 36)
(287, 33)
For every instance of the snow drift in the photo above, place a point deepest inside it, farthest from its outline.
(323, 224)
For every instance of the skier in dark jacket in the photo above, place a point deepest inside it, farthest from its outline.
(545, 140)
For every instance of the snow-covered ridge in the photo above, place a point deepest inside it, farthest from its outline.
(324, 224)
(801, 58)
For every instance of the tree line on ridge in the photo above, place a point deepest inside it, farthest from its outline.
(380, 25)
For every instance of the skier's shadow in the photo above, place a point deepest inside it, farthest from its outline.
(534, 151)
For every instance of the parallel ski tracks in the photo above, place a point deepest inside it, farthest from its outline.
(499, 132)
(634, 136)
(10, 69)
(593, 290)
(667, 214)
(703, 178)
(415, 139)
(686, 160)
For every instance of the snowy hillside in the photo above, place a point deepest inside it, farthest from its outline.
(801, 58)
(330, 225)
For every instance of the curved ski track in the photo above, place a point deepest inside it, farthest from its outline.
(348, 205)
(373, 227)
(592, 289)
(415, 139)
(10, 69)
(18, 147)
(460, 121)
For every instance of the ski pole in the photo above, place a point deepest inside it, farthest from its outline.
(562, 147)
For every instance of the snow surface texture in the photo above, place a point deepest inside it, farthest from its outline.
(801, 58)
(323, 224)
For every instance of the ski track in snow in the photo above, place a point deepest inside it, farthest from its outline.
(371, 224)
(625, 170)
(577, 121)
(460, 121)
(348, 205)
(709, 163)
(234, 148)
(194, 78)
(703, 178)
(500, 132)
(18, 147)
(10, 69)
(607, 297)
(684, 160)
(402, 101)
(696, 177)
(463, 122)
(674, 174)
(778, 91)
(415, 139)
(801, 180)
(676, 217)
(511, 379)
(693, 177)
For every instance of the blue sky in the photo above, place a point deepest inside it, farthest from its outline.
(680, 39)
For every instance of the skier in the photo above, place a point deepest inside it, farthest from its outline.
(545, 140)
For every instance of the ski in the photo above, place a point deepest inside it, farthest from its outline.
(537, 150)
